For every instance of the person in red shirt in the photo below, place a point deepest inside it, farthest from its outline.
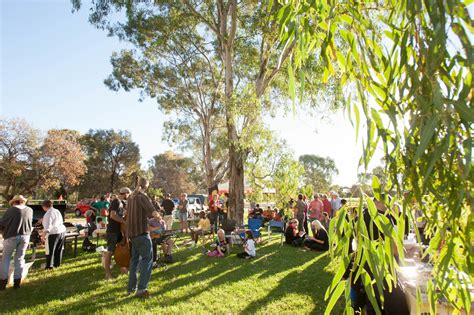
(214, 209)
(326, 205)
(316, 208)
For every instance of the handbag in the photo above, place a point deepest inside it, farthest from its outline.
(122, 254)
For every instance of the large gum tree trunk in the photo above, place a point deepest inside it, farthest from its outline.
(236, 185)
(226, 35)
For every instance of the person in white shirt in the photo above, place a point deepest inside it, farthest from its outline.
(249, 246)
(54, 232)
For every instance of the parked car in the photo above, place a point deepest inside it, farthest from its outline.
(82, 206)
(203, 200)
(176, 202)
(195, 205)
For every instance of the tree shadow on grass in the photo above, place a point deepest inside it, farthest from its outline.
(296, 282)
(222, 273)
(267, 264)
(79, 288)
(52, 287)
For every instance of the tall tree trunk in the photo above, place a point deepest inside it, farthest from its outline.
(112, 181)
(236, 156)
(207, 154)
(236, 184)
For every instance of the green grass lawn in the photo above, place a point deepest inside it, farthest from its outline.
(281, 279)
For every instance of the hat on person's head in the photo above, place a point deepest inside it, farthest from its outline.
(125, 190)
(17, 198)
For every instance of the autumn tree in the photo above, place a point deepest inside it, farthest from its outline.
(31, 164)
(173, 173)
(19, 143)
(112, 161)
(62, 160)
(318, 171)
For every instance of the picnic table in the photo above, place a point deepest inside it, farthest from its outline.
(415, 275)
(413, 278)
(71, 237)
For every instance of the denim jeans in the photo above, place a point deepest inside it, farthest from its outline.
(142, 261)
(19, 244)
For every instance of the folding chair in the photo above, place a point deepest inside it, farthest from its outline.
(280, 226)
(254, 226)
(206, 234)
(229, 225)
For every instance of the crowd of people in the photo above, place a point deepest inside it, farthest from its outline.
(307, 222)
(129, 218)
(134, 218)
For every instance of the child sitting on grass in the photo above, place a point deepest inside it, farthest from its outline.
(221, 245)
(249, 246)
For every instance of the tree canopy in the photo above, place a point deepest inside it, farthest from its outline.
(32, 164)
(113, 160)
(318, 171)
(220, 64)
(174, 174)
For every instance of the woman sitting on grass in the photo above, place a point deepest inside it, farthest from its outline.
(249, 246)
(320, 241)
(291, 231)
(221, 245)
(292, 235)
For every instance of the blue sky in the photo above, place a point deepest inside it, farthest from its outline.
(53, 64)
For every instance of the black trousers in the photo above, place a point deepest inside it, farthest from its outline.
(315, 245)
(55, 244)
(243, 255)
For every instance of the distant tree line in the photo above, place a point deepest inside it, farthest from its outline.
(65, 162)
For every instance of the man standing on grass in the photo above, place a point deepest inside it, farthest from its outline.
(335, 203)
(139, 209)
(54, 233)
(300, 213)
(16, 225)
(168, 207)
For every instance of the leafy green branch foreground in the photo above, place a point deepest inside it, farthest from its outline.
(407, 69)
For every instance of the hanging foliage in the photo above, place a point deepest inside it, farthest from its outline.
(409, 67)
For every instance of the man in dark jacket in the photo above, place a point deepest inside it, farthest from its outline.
(16, 225)
(168, 205)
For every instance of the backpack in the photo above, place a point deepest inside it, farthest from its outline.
(88, 246)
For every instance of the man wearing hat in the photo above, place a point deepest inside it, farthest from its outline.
(114, 234)
(16, 225)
